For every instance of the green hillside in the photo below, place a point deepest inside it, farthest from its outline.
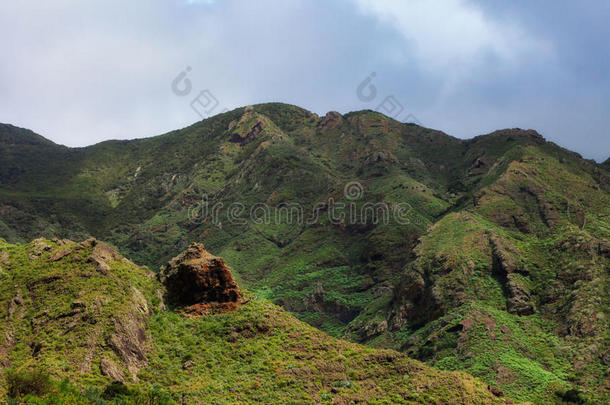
(488, 255)
(82, 324)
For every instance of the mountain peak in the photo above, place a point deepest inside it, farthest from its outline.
(12, 135)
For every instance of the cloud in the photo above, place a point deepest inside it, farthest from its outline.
(80, 72)
(453, 34)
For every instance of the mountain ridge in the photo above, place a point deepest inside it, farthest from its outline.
(526, 132)
(473, 244)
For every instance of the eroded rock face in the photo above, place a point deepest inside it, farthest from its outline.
(200, 280)
(520, 300)
(110, 369)
(331, 120)
(317, 302)
(506, 265)
(246, 138)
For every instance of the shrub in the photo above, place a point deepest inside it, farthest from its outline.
(28, 382)
(116, 389)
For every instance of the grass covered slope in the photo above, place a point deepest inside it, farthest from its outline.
(81, 312)
(151, 197)
(514, 289)
(499, 266)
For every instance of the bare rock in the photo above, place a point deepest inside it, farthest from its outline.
(129, 341)
(5, 262)
(141, 304)
(110, 369)
(101, 255)
(245, 138)
(331, 120)
(16, 306)
(6, 347)
(57, 256)
(100, 265)
(548, 211)
(38, 247)
(91, 242)
(93, 340)
(160, 296)
(43, 281)
(504, 255)
(520, 300)
(198, 279)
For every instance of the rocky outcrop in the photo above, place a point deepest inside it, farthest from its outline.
(129, 341)
(16, 306)
(504, 255)
(506, 265)
(249, 136)
(5, 262)
(200, 281)
(413, 299)
(111, 370)
(330, 120)
(520, 300)
(547, 210)
(38, 247)
(317, 302)
(101, 256)
(376, 157)
(57, 256)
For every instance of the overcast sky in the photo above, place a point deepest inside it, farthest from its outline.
(79, 72)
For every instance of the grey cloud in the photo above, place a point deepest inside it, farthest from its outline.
(81, 73)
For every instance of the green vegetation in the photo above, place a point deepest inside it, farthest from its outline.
(503, 229)
(100, 334)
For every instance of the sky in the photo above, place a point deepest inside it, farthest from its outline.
(80, 72)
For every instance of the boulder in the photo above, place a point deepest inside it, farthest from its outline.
(199, 280)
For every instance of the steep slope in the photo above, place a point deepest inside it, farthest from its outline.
(520, 278)
(81, 311)
(367, 228)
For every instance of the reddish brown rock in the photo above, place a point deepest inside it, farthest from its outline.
(201, 281)
(331, 120)
(59, 255)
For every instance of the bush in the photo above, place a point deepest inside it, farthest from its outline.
(116, 389)
(573, 396)
(28, 382)
(119, 393)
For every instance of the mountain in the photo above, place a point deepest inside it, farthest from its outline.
(82, 313)
(488, 255)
